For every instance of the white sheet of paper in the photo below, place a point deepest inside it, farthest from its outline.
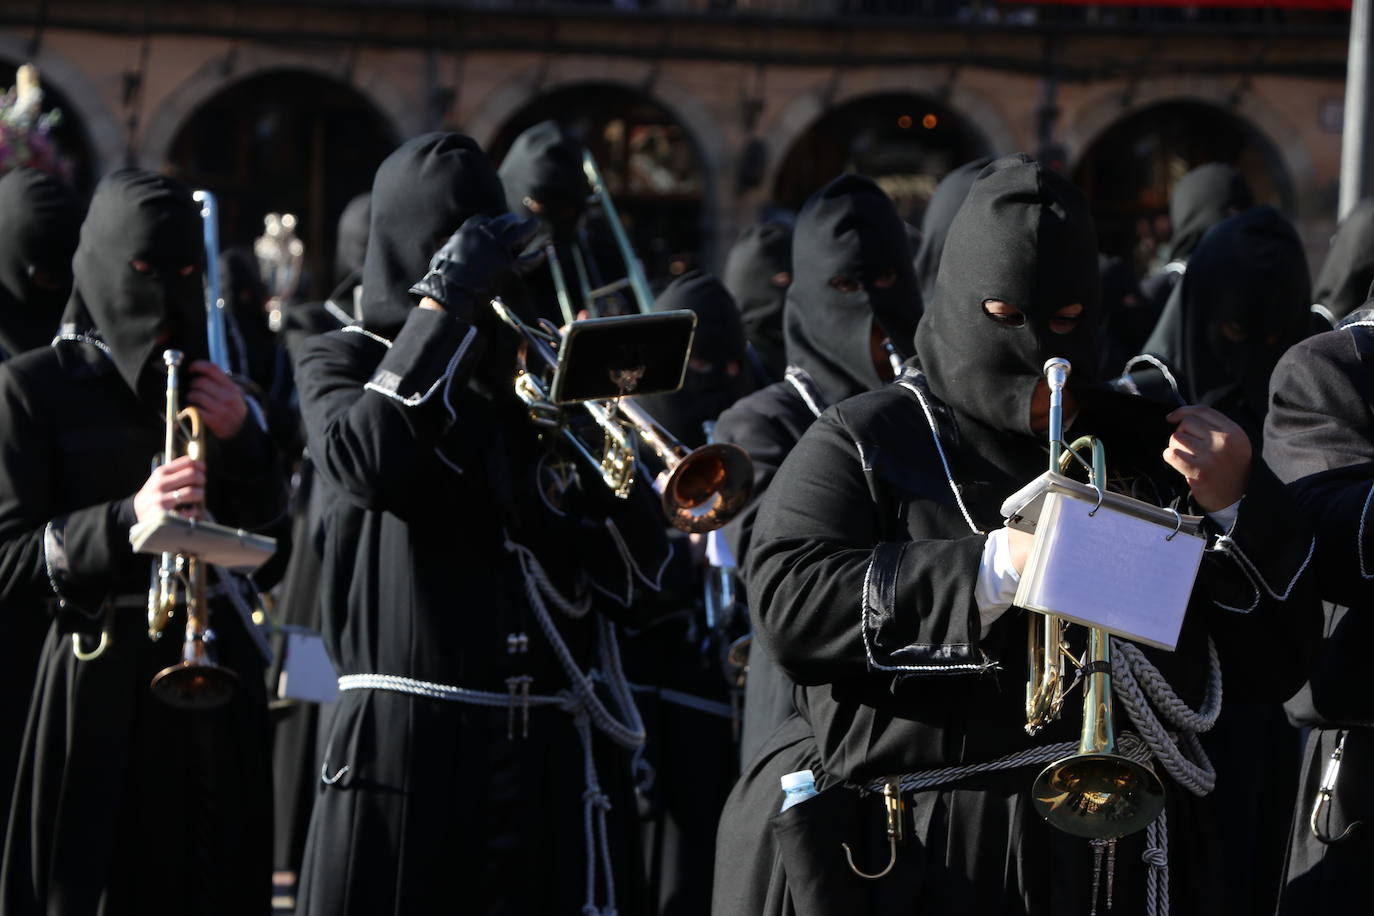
(232, 548)
(1110, 570)
(307, 673)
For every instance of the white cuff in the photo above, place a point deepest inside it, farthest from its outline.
(997, 579)
(1226, 518)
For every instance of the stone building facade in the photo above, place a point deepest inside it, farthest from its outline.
(747, 92)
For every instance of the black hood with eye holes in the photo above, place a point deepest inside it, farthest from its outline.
(545, 164)
(1244, 301)
(1025, 236)
(422, 193)
(1204, 197)
(848, 228)
(762, 251)
(1348, 272)
(40, 220)
(935, 222)
(350, 248)
(138, 215)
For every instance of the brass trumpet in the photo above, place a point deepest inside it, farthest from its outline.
(197, 681)
(702, 489)
(1095, 792)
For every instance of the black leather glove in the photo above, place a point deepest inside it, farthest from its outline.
(474, 261)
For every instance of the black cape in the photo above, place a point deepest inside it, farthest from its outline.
(1319, 438)
(757, 273)
(861, 579)
(849, 228)
(430, 476)
(101, 757)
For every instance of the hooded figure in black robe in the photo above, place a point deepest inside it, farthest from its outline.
(940, 209)
(1242, 304)
(464, 569)
(1319, 437)
(1348, 272)
(864, 580)
(39, 221)
(757, 273)
(853, 287)
(1204, 197)
(123, 804)
(543, 177)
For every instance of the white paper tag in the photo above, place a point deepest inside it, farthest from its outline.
(307, 673)
(1110, 570)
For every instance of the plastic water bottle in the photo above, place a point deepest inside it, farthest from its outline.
(797, 787)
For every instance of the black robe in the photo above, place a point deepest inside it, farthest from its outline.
(862, 575)
(848, 228)
(434, 485)
(1204, 197)
(1319, 437)
(39, 219)
(105, 767)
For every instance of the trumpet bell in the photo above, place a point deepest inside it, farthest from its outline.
(1098, 796)
(708, 487)
(194, 685)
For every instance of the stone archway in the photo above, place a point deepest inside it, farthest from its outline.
(282, 140)
(905, 140)
(90, 124)
(1130, 166)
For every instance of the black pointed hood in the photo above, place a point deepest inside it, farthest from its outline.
(138, 215)
(545, 165)
(757, 273)
(848, 228)
(940, 210)
(1025, 236)
(423, 192)
(1245, 300)
(718, 345)
(1348, 272)
(40, 220)
(1204, 197)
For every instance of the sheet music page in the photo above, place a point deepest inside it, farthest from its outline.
(1111, 570)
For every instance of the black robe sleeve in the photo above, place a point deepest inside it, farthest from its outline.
(834, 595)
(373, 426)
(44, 551)
(1319, 438)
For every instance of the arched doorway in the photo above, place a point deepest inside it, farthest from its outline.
(1130, 171)
(68, 134)
(903, 141)
(284, 141)
(652, 167)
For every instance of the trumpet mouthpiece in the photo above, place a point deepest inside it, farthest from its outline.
(1057, 362)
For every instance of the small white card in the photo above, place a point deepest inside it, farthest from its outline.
(1110, 569)
(307, 673)
(219, 545)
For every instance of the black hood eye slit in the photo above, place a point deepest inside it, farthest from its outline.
(999, 312)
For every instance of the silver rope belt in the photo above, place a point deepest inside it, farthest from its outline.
(580, 701)
(1142, 689)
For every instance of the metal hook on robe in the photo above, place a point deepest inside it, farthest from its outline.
(892, 804)
(1323, 800)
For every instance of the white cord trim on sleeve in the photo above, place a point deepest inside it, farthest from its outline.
(49, 538)
(417, 400)
(798, 379)
(868, 645)
(939, 448)
(359, 329)
(1226, 545)
(1158, 364)
(1359, 544)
